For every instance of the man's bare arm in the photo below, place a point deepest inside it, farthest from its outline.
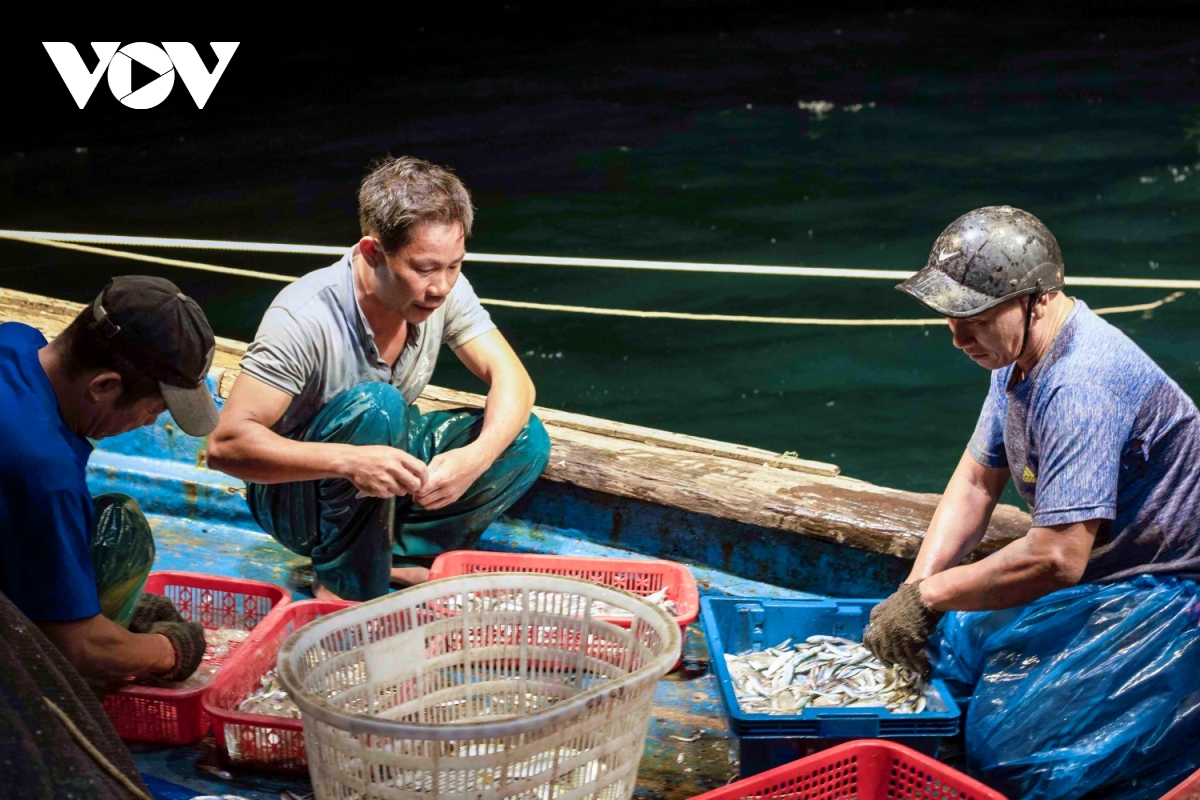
(1040, 562)
(105, 653)
(510, 394)
(509, 402)
(243, 445)
(961, 518)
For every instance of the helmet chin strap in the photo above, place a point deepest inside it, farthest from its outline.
(1033, 299)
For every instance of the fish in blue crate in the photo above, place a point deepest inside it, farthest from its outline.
(822, 671)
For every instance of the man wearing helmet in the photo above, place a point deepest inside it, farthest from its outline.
(1099, 441)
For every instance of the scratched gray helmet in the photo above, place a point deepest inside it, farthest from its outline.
(986, 257)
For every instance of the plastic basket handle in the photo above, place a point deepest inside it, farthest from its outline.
(750, 620)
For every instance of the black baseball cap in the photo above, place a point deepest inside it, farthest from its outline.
(166, 336)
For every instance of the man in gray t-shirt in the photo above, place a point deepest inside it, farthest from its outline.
(340, 465)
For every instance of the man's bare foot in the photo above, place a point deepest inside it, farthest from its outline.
(321, 593)
(409, 576)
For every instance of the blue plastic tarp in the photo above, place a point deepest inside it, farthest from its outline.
(1095, 688)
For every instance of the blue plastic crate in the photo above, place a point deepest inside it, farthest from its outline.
(738, 625)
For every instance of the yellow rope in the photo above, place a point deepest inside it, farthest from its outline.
(166, 262)
(621, 312)
(606, 312)
(1171, 298)
(177, 244)
(92, 751)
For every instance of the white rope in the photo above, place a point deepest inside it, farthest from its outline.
(560, 261)
(607, 312)
(853, 323)
(626, 312)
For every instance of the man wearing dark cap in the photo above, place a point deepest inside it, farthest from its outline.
(73, 564)
(1085, 675)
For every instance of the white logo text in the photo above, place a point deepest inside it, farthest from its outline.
(162, 61)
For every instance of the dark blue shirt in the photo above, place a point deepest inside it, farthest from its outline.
(45, 507)
(1098, 431)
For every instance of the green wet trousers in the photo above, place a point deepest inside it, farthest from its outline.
(347, 537)
(122, 554)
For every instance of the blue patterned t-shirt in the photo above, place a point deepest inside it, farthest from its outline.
(1097, 430)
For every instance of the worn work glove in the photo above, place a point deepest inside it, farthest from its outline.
(899, 629)
(152, 608)
(188, 640)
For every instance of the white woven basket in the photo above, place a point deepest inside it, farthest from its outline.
(479, 686)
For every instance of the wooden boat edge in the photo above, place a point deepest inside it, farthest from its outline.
(718, 479)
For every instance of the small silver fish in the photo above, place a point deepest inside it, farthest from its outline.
(821, 671)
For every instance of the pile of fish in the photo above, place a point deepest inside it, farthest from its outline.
(270, 698)
(553, 601)
(821, 671)
(659, 598)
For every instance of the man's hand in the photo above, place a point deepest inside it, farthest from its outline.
(152, 608)
(187, 640)
(108, 655)
(383, 471)
(450, 475)
(899, 629)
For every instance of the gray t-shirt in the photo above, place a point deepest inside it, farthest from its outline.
(314, 342)
(1098, 431)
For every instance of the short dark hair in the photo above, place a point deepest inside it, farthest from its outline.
(400, 193)
(84, 347)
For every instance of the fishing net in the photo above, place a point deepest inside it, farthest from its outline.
(1092, 688)
(40, 757)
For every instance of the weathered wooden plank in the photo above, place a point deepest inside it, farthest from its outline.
(716, 478)
(849, 512)
(637, 433)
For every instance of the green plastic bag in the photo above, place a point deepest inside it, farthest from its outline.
(122, 554)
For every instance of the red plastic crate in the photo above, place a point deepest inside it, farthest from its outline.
(639, 576)
(869, 769)
(175, 716)
(1188, 790)
(259, 741)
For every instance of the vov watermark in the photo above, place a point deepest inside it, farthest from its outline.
(164, 61)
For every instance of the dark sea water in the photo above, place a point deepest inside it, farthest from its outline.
(675, 135)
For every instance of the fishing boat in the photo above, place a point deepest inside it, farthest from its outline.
(747, 522)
